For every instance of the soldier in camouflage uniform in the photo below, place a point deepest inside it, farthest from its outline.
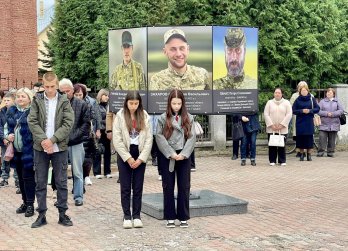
(179, 74)
(234, 57)
(130, 74)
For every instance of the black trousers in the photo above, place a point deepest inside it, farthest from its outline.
(131, 179)
(182, 171)
(26, 178)
(274, 152)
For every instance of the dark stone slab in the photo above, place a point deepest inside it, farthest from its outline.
(203, 203)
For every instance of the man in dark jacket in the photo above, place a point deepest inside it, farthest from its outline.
(50, 120)
(78, 134)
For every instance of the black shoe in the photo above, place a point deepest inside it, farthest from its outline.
(154, 162)
(302, 157)
(253, 163)
(330, 155)
(309, 157)
(40, 221)
(65, 220)
(243, 162)
(3, 183)
(22, 209)
(29, 212)
(78, 203)
(17, 184)
(18, 191)
(234, 157)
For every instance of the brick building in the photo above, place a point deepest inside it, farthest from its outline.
(18, 43)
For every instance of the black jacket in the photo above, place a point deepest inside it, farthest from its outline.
(82, 123)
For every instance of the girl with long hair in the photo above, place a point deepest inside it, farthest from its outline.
(176, 140)
(132, 139)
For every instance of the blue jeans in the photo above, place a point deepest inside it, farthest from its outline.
(77, 155)
(6, 167)
(248, 139)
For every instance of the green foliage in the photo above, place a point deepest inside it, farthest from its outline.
(298, 39)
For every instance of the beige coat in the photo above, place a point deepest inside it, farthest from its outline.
(278, 112)
(121, 139)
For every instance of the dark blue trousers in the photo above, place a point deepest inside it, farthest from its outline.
(182, 171)
(131, 179)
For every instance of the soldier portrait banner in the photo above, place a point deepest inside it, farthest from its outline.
(215, 66)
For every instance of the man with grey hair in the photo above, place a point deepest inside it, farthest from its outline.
(235, 50)
(50, 120)
(78, 134)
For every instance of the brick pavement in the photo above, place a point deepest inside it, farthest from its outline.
(302, 206)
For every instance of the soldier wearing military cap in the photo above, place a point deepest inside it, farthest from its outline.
(234, 58)
(179, 74)
(129, 75)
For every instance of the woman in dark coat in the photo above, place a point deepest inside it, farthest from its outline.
(304, 107)
(17, 131)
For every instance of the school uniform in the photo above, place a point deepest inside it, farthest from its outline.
(136, 145)
(171, 168)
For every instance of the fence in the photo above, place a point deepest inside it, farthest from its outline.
(6, 83)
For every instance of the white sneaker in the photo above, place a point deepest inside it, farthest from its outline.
(88, 181)
(137, 223)
(108, 176)
(98, 176)
(283, 164)
(160, 177)
(272, 164)
(127, 224)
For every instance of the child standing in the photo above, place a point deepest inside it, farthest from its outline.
(132, 139)
(176, 140)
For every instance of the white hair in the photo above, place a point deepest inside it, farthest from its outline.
(64, 82)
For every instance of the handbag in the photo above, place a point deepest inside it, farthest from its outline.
(8, 156)
(237, 131)
(316, 118)
(198, 128)
(276, 140)
(343, 119)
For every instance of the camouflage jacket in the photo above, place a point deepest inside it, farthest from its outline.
(195, 78)
(128, 77)
(229, 82)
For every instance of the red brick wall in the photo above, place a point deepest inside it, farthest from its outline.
(18, 42)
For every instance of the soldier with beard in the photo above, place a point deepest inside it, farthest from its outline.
(179, 74)
(235, 57)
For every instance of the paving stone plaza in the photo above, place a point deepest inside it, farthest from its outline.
(302, 206)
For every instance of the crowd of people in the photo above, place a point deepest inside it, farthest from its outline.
(303, 113)
(59, 123)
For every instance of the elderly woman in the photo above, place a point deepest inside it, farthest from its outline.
(17, 132)
(330, 110)
(294, 96)
(304, 107)
(278, 114)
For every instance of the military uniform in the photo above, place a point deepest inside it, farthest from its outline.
(195, 78)
(128, 77)
(239, 82)
(235, 38)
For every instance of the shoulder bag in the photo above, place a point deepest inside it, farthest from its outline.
(237, 131)
(316, 118)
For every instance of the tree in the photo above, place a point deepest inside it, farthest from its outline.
(298, 40)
